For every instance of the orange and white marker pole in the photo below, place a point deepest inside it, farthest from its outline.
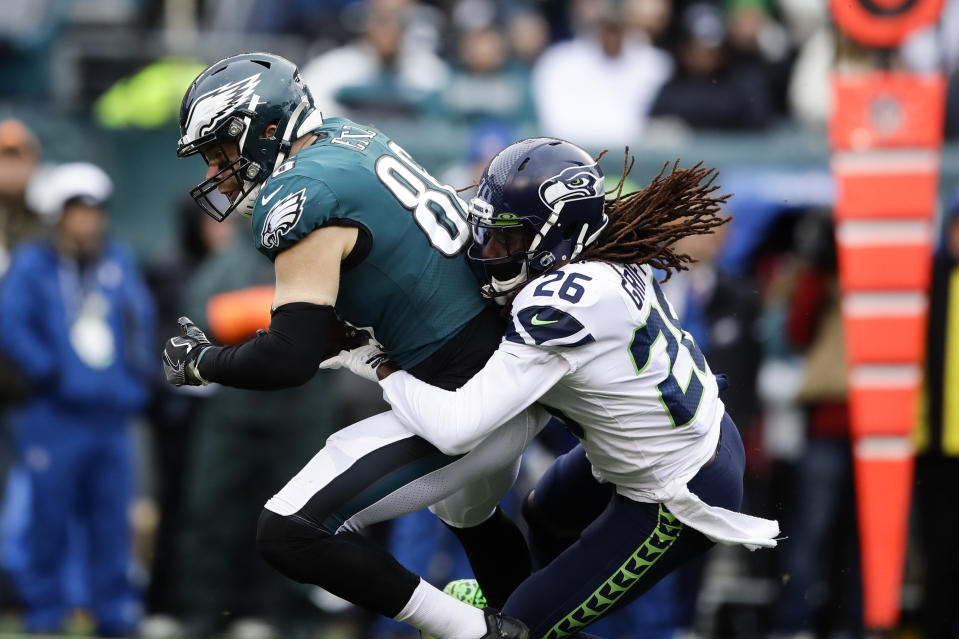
(886, 136)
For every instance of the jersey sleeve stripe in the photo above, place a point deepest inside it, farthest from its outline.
(545, 325)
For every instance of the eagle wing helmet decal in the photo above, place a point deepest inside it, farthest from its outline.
(573, 183)
(209, 108)
(282, 217)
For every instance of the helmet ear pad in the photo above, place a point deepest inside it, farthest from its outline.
(264, 148)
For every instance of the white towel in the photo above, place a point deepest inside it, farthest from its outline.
(719, 524)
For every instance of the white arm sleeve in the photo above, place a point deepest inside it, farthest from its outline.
(456, 421)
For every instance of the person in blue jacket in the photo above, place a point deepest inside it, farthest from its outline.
(77, 319)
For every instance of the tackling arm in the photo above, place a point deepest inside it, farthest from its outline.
(456, 421)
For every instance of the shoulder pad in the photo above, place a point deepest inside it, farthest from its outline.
(290, 206)
(545, 312)
(546, 326)
(577, 285)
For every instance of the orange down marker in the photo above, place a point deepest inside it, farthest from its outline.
(885, 134)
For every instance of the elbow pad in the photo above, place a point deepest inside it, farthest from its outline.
(288, 355)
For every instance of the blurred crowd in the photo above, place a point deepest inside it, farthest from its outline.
(555, 65)
(109, 477)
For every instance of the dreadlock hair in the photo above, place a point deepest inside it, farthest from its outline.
(644, 224)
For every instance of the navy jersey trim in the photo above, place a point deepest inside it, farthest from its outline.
(546, 323)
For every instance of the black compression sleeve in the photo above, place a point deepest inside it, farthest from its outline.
(286, 356)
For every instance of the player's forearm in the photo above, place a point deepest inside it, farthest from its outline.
(288, 355)
(386, 369)
(456, 421)
(434, 414)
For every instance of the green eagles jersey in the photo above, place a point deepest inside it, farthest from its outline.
(414, 289)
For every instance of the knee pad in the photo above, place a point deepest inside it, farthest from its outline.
(462, 518)
(279, 539)
(476, 502)
(346, 564)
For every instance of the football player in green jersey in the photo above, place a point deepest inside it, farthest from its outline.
(357, 231)
(656, 478)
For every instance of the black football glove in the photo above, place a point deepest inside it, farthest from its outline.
(181, 353)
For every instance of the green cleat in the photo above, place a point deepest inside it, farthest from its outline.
(467, 591)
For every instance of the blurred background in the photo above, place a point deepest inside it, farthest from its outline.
(742, 85)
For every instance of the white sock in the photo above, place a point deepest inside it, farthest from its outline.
(442, 616)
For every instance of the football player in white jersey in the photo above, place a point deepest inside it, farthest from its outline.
(657, 476)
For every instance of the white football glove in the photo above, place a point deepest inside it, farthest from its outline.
(362, 360)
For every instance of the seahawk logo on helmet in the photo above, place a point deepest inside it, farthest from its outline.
(282, 217)
(210, 108)
(573, 183)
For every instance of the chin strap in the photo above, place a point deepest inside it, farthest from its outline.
(488, 292)
(248, 203)
(500, 290)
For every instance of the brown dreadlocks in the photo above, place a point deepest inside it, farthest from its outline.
(644, 224)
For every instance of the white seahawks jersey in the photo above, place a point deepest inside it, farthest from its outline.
(638, 392)
(599, 346)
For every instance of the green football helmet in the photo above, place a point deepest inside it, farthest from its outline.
(236, 100)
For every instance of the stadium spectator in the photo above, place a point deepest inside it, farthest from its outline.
(172, 409)
(382, 73)
(528, 36)
(76, 317)
(485, 140)
(823, 592)
(484, 71)
(19, 155)
(753, 32)
(652, 17)
(19, 152)
(721, 311)
(760, 49)
(28, 36)
(936, 48)
(708, 91)
(598, 88)
(937, 461)
(245, 447)
(809, 93)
